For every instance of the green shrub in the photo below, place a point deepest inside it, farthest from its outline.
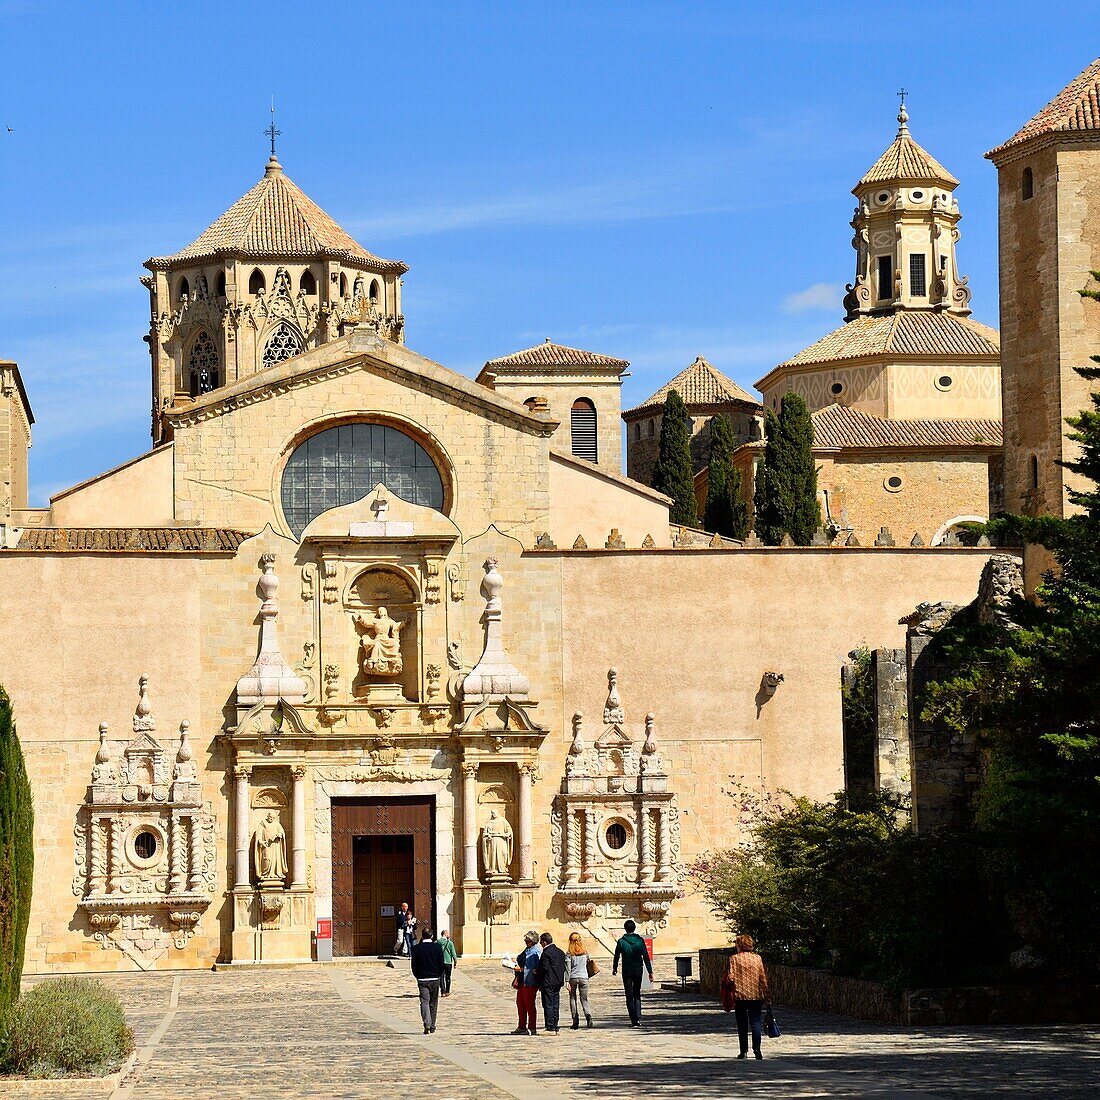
(66, 1026)
(16, 856)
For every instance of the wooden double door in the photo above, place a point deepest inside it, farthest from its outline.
(381, 856)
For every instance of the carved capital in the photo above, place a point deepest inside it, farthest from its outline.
(298, 771)
(242, 771)
(469, 770)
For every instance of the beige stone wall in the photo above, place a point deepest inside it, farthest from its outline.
(136, 494)
(15, 440)
(583, 503)
(935, 489)
(863, 386)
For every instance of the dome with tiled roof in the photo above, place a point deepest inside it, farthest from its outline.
(276, 219)
(699, 384)
(904, 161)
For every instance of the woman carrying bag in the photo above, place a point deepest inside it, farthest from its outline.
(581, 968)
(747, 982)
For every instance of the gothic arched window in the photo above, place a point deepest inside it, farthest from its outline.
(183, 291)
(256, 282)
(582, 427)
(343, 464)
(220, 285)
(202, 365)
(308, 284)
(283, 343)
(375, 294)
(343, 285)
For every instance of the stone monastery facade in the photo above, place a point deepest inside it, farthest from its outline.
(359, 629)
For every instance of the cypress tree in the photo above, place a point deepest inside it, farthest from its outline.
(725, 511)
(673, 473)
(786, 487)
(16, 856)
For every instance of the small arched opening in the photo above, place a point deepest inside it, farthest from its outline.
(1033, 472)
(257, 284)
(219, 285)
(307, 284)
(1027, 184)
(183, 290)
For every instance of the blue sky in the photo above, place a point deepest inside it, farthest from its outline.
(650, 180)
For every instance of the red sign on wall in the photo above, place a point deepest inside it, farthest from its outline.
(324, 930)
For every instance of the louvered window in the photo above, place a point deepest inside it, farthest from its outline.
(918, 279)
(582, 427)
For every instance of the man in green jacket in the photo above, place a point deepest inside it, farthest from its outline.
(631, 952)
(450, 961)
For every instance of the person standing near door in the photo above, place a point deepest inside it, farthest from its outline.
(550, 975)
(450, 961)
(632, 953)
(427, 968)
(401, 919)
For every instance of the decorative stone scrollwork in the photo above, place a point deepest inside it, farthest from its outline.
(614, 825)
(144, 842)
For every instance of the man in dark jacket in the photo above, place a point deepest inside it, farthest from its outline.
(550, 975)
(427, 968)
(631, 952)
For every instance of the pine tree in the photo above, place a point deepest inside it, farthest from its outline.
(16, 856)
(673, 473)
(725, 511)
(786, 487)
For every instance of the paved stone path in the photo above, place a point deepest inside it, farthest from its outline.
(354, 1031)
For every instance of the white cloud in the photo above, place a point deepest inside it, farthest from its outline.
(818, 296)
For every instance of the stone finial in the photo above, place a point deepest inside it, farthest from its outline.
(786, 540)
(716, 540)
(648, 543)
(144, 719)
(983, 541)
(494, 676)
(615, 540)
(545, 542)
(184, 768)
(884, 538)
(577, 745)
(270, 678)
(613, 713)
(103, 754)
(752, 540)
(916, 540)
(852, 540)
(650, 745)
(819, 538)
(580, 544)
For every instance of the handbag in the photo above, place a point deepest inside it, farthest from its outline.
(726, 994)
(771, 1025)
(517, 981)
(593, 967)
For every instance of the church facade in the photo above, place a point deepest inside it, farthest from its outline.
(359, 629)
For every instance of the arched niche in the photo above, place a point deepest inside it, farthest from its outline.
(384, 607)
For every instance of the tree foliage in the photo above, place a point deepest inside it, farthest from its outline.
(786, 488)
(724, 512)
(16, 856)
(673, 473)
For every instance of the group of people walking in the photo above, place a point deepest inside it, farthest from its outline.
(543, 968)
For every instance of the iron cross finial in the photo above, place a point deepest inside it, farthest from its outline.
(271, 131)
(903, 114)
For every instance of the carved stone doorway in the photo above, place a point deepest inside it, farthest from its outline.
(380, 847)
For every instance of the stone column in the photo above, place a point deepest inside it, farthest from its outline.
(589, 872)
(241, 775)
(568, 867)
(664, 844)
(114, 857)
(469, 823)
(194, 878)
(97, 863)
(526, 778)
(177, 856)
(645, 872)
(298, 828)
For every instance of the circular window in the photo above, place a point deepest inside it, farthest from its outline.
(944, 382)
(882, 196)
(616, 836)
(343, 464)
(918, 195)
(145, 845)
(836, 388)
(892, 484)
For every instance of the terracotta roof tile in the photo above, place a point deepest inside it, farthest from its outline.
(698, 384)
(1075, 107)
(905, 160)
(837, 426)
(905, 332)
(172, 540)
(549, 354)
(276, 218)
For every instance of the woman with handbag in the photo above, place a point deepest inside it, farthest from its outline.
(525, 985)
(748, 983)
(582, 967)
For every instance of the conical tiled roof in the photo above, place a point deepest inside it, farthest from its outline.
(276, 219)
(905, 161)
(1075, 107)
(698, 384)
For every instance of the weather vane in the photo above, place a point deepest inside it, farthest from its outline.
(271, 131)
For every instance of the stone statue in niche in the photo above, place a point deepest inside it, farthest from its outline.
(496, 847)
(381, 643)
(269, 850)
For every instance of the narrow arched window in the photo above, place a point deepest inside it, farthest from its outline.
(220, 285)
(637, 430)
(308, 284)
(343, 285)
(283, 343)
(1033, 472)
(582, 427)
(183, 291)
(1027, 184)
(375, 293)
(256, 282)
(202, 365)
